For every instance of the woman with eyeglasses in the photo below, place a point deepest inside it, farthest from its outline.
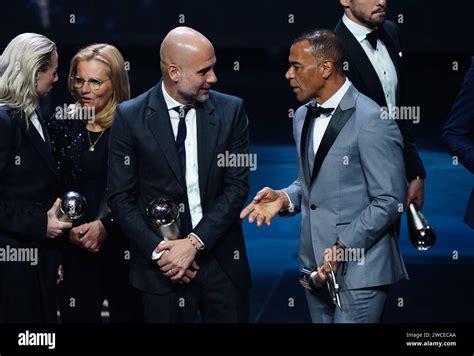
(95, 258)
(29, 184)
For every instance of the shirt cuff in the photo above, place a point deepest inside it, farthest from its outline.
(291, 207)
(156, 255)
(197, 238)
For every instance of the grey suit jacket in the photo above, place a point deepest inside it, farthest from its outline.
(354, 193)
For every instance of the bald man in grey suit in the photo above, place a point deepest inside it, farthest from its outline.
(350, 188)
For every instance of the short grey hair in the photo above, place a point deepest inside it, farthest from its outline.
(324, 46)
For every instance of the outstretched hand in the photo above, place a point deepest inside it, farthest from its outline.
(265, 205)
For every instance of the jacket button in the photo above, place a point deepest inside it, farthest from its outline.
(313, 207)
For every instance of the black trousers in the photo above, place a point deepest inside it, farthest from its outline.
(89, 278)
(211, 293)
(28, 292)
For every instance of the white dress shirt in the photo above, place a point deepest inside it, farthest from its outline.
(192, 173)
(321, 123)
(380, 59)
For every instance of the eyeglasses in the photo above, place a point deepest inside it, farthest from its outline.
(94, 84)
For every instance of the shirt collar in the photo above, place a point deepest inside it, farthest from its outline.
(336, 98)
(359, 32)
(170, 102)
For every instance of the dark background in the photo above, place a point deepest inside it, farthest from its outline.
(258, 35)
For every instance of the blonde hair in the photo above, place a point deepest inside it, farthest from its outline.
(111, 57)
(25, 56)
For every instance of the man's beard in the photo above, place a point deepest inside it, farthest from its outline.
(370, 22)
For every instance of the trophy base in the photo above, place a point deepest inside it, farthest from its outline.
(61, 215)
(169, 231)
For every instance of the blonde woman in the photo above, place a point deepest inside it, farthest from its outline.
(29, 184)
(95, 257)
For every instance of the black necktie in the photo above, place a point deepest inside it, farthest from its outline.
(181, 136)
(317, 111)
(375, 35)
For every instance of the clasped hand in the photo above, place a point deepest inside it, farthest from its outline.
(178, 260)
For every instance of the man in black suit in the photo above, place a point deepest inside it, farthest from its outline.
(373, 57)
(167, 142)
(458, 133)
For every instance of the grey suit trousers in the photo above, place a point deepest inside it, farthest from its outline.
(358, 305)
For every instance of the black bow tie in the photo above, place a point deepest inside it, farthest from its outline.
(317, 111)
(375, 35)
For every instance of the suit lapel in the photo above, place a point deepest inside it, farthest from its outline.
(304, 146)
(42, 147)
(207, 127)
(207, 132)
(340, 117)
(159, 122)
(360, 61)
(47, 138)
(337, 122)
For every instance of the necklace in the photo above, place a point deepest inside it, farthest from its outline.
(92, 145)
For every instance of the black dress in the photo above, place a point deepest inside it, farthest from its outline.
(91, 277)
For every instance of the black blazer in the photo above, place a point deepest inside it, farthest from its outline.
(29, 185)
(458, 133)
(362, 74)
(144, 164)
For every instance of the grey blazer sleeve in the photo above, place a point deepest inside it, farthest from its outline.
(381, 154)
(294, 190)
(294, 193)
